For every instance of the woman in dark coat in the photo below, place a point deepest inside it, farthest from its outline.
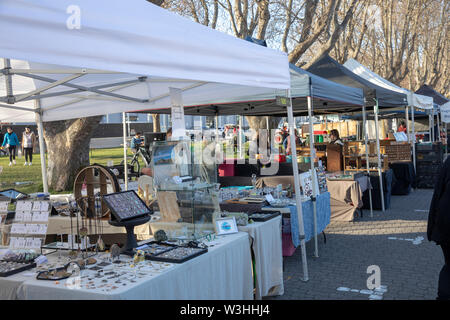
(439, 226)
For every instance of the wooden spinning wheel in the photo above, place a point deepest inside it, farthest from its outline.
(95, 179)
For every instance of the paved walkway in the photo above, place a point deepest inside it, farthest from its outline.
(409, 266)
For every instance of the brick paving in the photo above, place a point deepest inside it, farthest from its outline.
(408, 271)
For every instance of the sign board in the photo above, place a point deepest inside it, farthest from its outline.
(445, 112)
(177, 113)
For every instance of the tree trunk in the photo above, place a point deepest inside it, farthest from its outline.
(156, 123)
(68, 149)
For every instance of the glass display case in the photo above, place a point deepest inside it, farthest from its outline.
(185, 181)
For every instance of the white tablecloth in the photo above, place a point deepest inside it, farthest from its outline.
(267, 247)
(223, 273)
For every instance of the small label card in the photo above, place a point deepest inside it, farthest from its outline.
(24, 206)
(19, 216)
(27, 217)
(4, 206)
(17, 243)
(45, 206)
(18, 228)
(40, 216)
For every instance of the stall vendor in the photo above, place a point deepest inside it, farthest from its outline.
(335, 139)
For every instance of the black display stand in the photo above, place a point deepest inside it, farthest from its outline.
(129, 226)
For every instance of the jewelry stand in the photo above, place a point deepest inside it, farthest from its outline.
(129, 226)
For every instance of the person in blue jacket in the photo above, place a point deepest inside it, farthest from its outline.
(11, 142)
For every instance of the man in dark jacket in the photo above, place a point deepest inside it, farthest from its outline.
(439, 226)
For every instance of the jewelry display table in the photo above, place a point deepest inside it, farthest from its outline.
(223, 273)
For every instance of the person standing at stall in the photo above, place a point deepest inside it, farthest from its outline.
(11, 142)
(438, 229)
(28, 143)
(335, 139)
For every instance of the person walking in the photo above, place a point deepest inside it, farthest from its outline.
(438, 229)
(11, 142)
(28, 143)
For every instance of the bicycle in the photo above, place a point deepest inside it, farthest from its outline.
(134, 165)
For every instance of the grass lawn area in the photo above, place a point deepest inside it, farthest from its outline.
(20, 173)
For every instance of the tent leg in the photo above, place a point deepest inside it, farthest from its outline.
(446, 142)
(314, 182)
(367, 159)
(438, 127)
(298, 198)
(125, 164)
(217, 128)
(407, 123)
(430, 127)
(413, 137)
(40, 127)
(375, 109)
(241, 154)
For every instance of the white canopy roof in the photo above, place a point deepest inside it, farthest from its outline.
(416, 100)
(145, 49)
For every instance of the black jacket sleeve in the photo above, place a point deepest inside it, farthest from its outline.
(438, 228)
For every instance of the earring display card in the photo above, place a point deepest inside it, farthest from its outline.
(30, 225)
(4, 206)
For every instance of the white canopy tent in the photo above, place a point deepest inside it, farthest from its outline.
(414, 100)
(56, 53)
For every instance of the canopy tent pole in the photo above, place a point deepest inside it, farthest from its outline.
(407, 123)
(413, 137)
(217, 128)
(312, 153)
(438, 127)
(241, 155)
(40, 127)
(375, 109)
(446, 142)
(430, 126)
(125, 164)
(298, 198)
(367, 159)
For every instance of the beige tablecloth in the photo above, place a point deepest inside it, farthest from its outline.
(267, 247)
(345, 198)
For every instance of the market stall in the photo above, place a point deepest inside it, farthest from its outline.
(305, 88)
(375, 96)
(61, 77)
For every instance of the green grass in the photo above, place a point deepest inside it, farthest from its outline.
(20, 173)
